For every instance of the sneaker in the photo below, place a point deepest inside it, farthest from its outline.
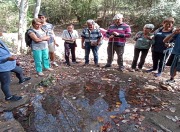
(13, 98)
(107, 65)
(121, 68)
(24, 80)
(40, 74)
(75, 62)
(139, 69)
(132, 70)
(170, 81)
(150, 70)
(158, 74)
(49, 69)
(68, 64)
(55, 64)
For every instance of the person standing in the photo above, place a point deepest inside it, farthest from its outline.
(39, 46)
(175, 36)
(52, 41)
(69, 36)
(158, 48)
(90, 39)
(143, 43)
(117, 34)
(8, 65)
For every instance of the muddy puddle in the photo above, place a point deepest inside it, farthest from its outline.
(85, 107)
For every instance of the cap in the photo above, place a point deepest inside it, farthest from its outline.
(150, 26)
(117, 16)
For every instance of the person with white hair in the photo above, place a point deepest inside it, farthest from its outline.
(90, 39)
(143, 43)
(117, 33)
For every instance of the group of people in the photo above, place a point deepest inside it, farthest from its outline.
(44, 42)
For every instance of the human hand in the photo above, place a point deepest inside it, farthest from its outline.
(56, 44)
(115, 33)
(112, 36)
(12, 58)
(177, 31)
(83, 47)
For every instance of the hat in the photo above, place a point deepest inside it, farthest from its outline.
(117, 16)
(150, 26)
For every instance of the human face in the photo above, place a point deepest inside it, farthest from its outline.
(146, 30)
(43, 18)
(90, 26)
(37, 25)
(118, 21)
(70, 28)
(167, 25)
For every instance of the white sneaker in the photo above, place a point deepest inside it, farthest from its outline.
(49, 69)
(55, 64)
(40, 74)
(132, 70)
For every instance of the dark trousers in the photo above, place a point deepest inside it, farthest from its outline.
(94, 49)
(5, 79)
(111, 49)
(159, 60)
(70, 47)
(144, 53)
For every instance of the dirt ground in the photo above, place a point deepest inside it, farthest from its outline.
(90, 99)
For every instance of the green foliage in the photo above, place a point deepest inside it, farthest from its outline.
(9, 16)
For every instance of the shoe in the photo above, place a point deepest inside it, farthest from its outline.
(107, 65)
(170, 81)
(97, 65)
(150, 70)
(24, 80)
(86, 64)
(49, 69)
(121, 68)
(75, 62)
(40, 74)
(68, 64)
(55, 64)
(13, 98)
(132, 70)
(158, 74)
(139, 69)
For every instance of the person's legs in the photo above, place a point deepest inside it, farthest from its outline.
(110, 53)
(95, 53)
(19, 73)
(135, 58)
(87, 52)
(45, 58)
(72, 47)
(37, 55)
(5, 83)
(155, 58)
(67, 52)
(120, 51)
(144, 53)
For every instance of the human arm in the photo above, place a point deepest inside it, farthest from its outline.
(37, 39)
(170, 37)
(82, 43)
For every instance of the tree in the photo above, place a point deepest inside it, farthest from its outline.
(37, 8)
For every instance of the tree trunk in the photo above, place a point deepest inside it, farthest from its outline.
(37, 8)
(22, 25)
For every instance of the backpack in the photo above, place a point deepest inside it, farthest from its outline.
(28, 39)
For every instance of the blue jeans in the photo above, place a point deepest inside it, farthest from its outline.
(94, 49)
(5, 80)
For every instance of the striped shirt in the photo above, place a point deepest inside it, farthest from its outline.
(123, 29)
(93, 35)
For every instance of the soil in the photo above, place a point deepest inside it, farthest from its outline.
(93, 98)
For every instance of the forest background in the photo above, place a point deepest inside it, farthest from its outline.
(16, 15)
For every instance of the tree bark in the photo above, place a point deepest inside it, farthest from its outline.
(22, 25)
(37, 8)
